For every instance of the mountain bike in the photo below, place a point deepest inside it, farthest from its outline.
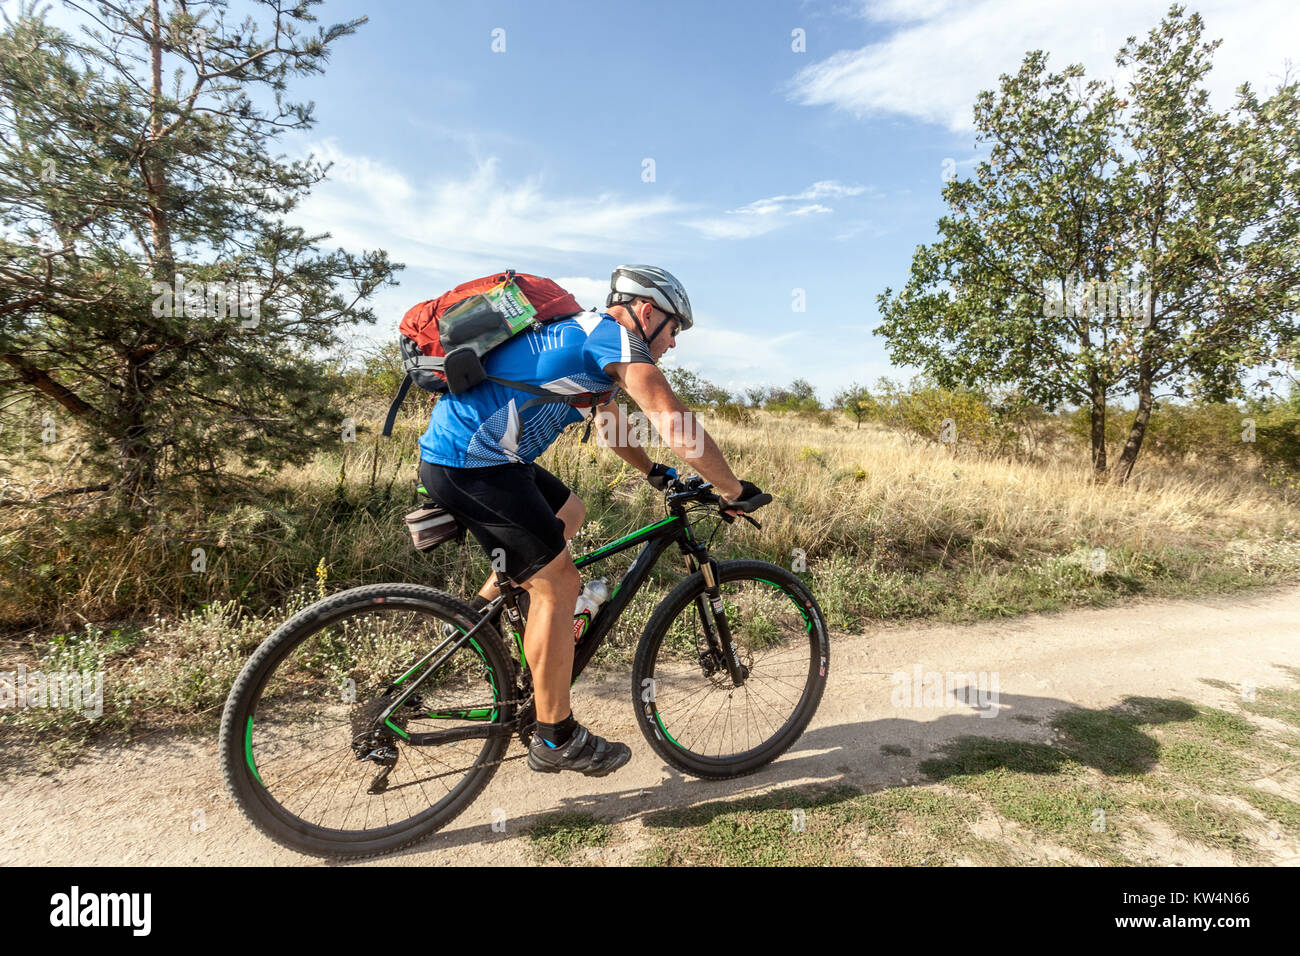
(372, 718)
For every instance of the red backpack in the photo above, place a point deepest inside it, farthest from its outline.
(445, 340)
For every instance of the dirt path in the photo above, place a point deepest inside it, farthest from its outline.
(145, 805)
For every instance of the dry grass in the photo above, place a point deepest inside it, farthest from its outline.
(886, 528)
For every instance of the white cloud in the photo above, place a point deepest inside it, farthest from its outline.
(774, 212)
(588, 292)
(905, 11)
(941, 53)
(720, 353)
(473, 224)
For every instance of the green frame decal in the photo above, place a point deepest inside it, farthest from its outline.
(248, 751)
(477, 713)
(604, 550)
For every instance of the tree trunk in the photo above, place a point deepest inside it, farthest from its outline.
(1098, 416)
(1145, 398)
(1134, 443)
(137, 458)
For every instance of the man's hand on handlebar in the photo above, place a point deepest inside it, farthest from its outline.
(661, 476)
(744, 497)
(748, 492)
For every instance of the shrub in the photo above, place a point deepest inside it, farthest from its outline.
(922, 407)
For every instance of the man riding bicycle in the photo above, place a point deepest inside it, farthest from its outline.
(477, 461)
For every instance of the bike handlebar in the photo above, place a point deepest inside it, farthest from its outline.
(696, 488)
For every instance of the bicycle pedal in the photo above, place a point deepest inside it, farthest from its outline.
(525, 731)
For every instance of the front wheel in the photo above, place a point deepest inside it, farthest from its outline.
(689, 707)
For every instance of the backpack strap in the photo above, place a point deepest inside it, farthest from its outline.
(430, 363)
(397, 404)
(426, 363)
(544, 397)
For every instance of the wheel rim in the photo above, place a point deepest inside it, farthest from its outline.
(297, 747)
(703, 715)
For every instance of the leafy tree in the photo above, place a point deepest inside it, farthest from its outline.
(1113, 245)
(695, 391)
(1212, 208)
(802, 389)
(856, 401)
(150, 286)
(799, 397)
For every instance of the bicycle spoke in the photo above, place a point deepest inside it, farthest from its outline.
(324, 698)
(704, 713)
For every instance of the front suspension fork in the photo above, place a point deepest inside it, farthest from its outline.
(716, 629)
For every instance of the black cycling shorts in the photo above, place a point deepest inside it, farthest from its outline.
(513, 507)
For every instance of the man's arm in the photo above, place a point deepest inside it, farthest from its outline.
(675, 423)
(611, 422)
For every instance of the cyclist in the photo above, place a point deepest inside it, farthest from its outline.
(477, 461)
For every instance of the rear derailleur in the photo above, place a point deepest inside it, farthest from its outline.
(376, 744)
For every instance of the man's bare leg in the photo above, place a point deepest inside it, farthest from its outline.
(572, 514)
(548, 635)
(559, 742)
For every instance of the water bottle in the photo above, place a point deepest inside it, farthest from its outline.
(593, 595)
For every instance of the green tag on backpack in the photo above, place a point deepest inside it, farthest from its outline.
(509, 300)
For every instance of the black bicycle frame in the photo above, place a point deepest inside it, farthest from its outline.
(655, 539)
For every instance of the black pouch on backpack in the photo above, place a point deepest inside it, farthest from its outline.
(430, 525)
(464, 370)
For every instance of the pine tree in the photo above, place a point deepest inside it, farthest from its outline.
(151, 286)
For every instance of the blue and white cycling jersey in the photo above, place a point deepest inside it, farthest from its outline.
(488, 424)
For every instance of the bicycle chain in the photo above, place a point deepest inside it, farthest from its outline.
(514, 735)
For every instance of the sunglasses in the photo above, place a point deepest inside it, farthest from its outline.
(677, 322)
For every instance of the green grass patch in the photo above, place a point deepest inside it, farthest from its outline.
(1277, 703)
(558, 837)
(802, 827)
(1203, 821)
(1285, 812)
(784, 828)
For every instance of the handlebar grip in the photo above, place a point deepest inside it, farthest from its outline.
(749, 504)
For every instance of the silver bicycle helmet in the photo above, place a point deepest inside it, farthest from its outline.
(658, 285)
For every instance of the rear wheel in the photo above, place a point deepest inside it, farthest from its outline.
(687, 705)
(299, 748)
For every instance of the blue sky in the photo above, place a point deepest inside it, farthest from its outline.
(774, 170)
(753, 195)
